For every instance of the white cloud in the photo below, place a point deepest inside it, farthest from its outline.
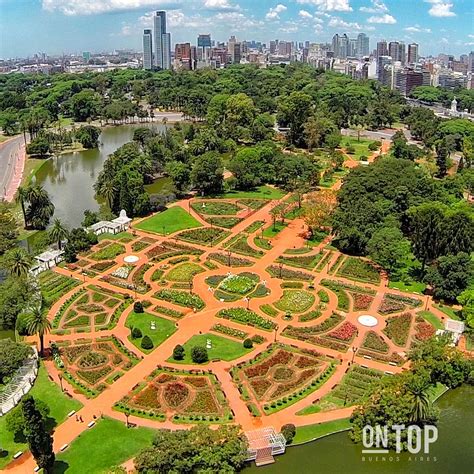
(305, 14)
(440, 8)
(126, 30)
(329, 5)
(417, 29)
(336, 22)
(274, 13)
(94, 7)
(470, 36)
(382, 19)
(220, 5)
(377, 7)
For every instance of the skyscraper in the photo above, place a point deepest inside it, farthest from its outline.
(394, 50)
(382, 49)
(162, 41)
(362, 45)
(412, 53)
(336, 45)
(147, 50)
(204, 47)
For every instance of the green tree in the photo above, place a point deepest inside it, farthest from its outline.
(38, 323)
(418, 387)
(178, 352)
(15, 295)
(450, 276)
(317, 130)
(207, 173)
(88, 136)
(12, 356)
(293, 111)
(58, 232)
(389, 248)
(180, 175)
(466, 299)
(442, 159)
(199, 354)
(8, 230)
(39, 440)
(85, 105)
(22, 198)
(18, 262)
(15, 421)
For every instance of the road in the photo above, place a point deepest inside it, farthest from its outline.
(11, 166)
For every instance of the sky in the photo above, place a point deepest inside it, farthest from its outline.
(73, 26)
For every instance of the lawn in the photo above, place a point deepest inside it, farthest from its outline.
(222, 348)
(448, 311)
(164, 328)
(120, 235)
(108, 444)
(169, 221)
(361, 147)
(265, 192)
(273, 230)
(432, 319)
(310, 432)
(184, 273)
(59, 405)
(412, 287)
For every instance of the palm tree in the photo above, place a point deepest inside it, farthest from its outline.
(418, 387)
(108, 191)
(18, 262)
(38, 323)
(22, 197)
(58, 232)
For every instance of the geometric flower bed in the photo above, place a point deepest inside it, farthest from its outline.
(187, 396)
(424, 330)
(362, 302)
(233, 287)
(129, 277)
(109, 252)
(398, 328)
(184, 272)
(91, 365)
(302, 261)
(280, 376)
(287, 274)
(245, 316)
(295, 301)
(181, 298)
(355, 386)
(357, 269)
(204, 235)
(53, 286)
(374, 342)
(91, 306)
(215, 208)
(170, 249)
(392, 303)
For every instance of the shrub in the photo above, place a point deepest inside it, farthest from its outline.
(199, 354)
(289, 432)
(136, 333)
(350, 149)
(138, 307)
(178, 352)
(147, 343)
(248, 344)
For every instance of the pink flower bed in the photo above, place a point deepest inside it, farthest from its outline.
(361, 302)
(345, 332)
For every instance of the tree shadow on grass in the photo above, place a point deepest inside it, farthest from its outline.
(60, 467)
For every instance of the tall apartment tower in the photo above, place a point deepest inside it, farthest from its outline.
(382, 49)
(162, 41)
(336, 45)
(412, 53)
(234, 50)
(394, 50)
(147, 50)
(362, 48)
(204, 47)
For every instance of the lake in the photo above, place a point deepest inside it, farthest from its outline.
(452, 453)
(69, 178)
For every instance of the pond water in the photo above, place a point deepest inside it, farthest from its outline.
(452, 453)
(69, 178)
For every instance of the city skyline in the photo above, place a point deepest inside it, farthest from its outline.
(441, 26)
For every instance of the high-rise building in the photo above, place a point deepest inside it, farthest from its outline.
(272, 47)
(382, 49)
(362, 48)
(382, 61)
(233, 47)
(162, 41)
(412, 53)
(336, 45)
(204, 47)
(402, 53)
(470, 64)
(147, 50)
(344, 46)
(394, 50)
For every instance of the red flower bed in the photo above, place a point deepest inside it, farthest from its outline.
(260, 386)
(398, 327)
(345, 332)
(196, 381)
(389, 306)
(374, 342)
(361, 302)
(175, 393)
(330, 344)
(163, 378)
(147, 398)
(303, 362)
(290, 386)
(203, 403)
(424, 331)
(260, 369)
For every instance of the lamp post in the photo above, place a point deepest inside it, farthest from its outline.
(61, 382)
(126, 416)
(229, 253)
(276, 329)
(164, 230)
(191, 287)
(280, 266)
(354, 350)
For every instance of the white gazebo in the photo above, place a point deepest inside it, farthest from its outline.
(115, 226)
(264, 443)
(49, 259)
(453, 328)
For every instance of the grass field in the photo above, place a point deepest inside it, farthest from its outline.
(265, 192)
(169, 221)
(361, 147)
(413, 287)
(273, 230)
(108, 444)
(432, 319)
(222, 348)
(59, 405)
(310, 432)
(448, 311)
(164, 328)
(120, 235)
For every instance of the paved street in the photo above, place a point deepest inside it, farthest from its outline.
(12, 156)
